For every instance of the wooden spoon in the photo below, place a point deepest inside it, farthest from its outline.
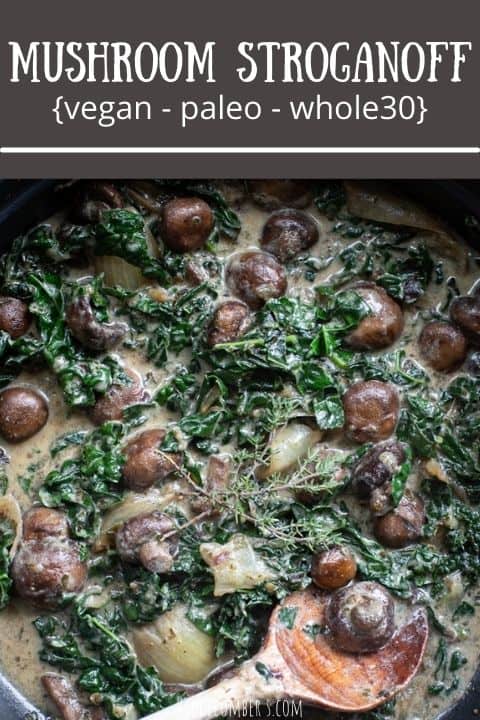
(298, 662)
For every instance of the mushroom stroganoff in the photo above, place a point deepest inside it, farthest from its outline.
(214, 394)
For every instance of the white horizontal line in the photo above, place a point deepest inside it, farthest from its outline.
(13, 150)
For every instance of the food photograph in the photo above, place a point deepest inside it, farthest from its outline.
(239, 449)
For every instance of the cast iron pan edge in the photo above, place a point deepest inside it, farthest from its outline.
(23, 203)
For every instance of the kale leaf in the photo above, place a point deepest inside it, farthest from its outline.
(7, 536)
(80, 377)
(121, 233)
(112, 672)
(90, 483)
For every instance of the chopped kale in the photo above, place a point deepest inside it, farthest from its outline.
(7, 536)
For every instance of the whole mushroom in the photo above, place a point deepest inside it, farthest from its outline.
(442, 346)
(287, 233)
(41, 522)
(23, 412)
(333, 568)
(360, 617)
(15, 316)
(382, 326)
(47, 563)
(111, 405)
(256, 277)
(89, 332)
(377, 467)
(230, 320)
(371, 410)
(186, 224)
(403, 525)
(145, 463)
(140, 540)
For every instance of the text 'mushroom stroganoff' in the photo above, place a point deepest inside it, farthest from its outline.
(215, 394)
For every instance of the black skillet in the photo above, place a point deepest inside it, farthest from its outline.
(24, 203)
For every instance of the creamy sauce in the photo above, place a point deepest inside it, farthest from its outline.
(19, 641)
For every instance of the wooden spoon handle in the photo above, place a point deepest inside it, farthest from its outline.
(223, 699)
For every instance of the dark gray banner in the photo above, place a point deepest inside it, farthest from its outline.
(312, 89)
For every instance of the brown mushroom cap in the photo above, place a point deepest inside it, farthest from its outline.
(230, 320)
(383, 326)
(140, 540)
(111, 405)
(44, 569)
(442, 346)
(94, 200)
(403, 525)
(89, 332)
(23, 412)
(186, 224)
(371, 410)
(15, 316)
(465, 312)
(40, 522)
(256, 277)
(360, 617)
(333, 568)
(377, 467)
(273, 194)
(145, 464)
(287, 233)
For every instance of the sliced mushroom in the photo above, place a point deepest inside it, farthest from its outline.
(94, 200)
